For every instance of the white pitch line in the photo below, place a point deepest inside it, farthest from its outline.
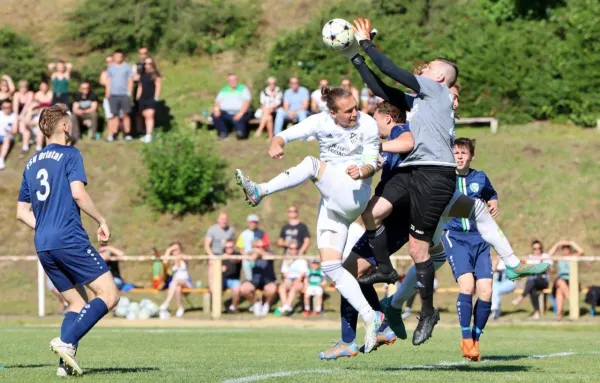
(282, 374)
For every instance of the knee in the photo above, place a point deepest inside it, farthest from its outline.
(484, 293)
(112, 299)
(467, 289)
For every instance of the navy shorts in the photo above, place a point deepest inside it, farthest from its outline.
(468, 253)
(396, 227)
(69, 267)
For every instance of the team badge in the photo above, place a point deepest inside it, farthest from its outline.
(474, 187)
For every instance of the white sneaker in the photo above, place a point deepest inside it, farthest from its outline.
(257, 307)
(128, 138)
(110, 138)
(163, 307)
(264, 311)
(2, 164)
(67, 353)
(251, 308)
(179, 312)
(146, 139)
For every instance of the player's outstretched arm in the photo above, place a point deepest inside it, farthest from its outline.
(404, 143)
(389, 93)
(85, 203)
(25, 214)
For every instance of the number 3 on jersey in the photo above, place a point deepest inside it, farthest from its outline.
(42, 175)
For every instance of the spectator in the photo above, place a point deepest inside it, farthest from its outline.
(347, 84)
(317, 104)
(232, 107)
(246, 239)
(104, 81)
(501, 286)
(295, 105)
(181, 278)
(60, 76)
(560, 288)
(22, 100)
(112, 256)
(7, 88)
(32, 124)
(535, 283)
(232, 270)
(293, 271)
(8, 127)
(43, 95)
(270, 100)
(313, 287)
(294, 231)
(85, 108)
(216, 237)
(263, 278)
(368, 101)
(119, 84)
(138, 72)
(148, 92)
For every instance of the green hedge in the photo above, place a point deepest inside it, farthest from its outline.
(20, 59)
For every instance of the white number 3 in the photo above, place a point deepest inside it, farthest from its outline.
(43, 174)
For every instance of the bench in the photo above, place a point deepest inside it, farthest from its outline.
(479, 120)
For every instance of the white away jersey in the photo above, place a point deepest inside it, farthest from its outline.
(338, 145)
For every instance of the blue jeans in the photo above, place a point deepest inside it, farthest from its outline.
(500, 288)
(225, 119)
(282, 115)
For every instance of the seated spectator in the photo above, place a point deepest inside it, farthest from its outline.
(295, 105)
(317, 104)
(246, 239)
(85, 108)
(313, 287)
(560, 288)
(347, 84)
(22, 100)
(8, 128)
(368, 101)
(60, 74)
(148, 93)
(263, 278)
(535, 283)
(270, 100)
(43, 95)
(232, 271)
(32, 124)
(293, 274)
(232, 107)
(180, 279)
(7, 88)
(294, 231)
(592, 298)
(112, 256)
(500, 286)
(118, 88)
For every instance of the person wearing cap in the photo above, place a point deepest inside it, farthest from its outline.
(245, 240)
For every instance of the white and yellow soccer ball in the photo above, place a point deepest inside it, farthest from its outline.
(337, 34)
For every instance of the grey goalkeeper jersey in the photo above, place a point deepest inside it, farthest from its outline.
(432, 125)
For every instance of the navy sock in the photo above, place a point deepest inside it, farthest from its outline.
(86, 319)
(480, 317)
(464, 309)
(349, 318)
(67, 323)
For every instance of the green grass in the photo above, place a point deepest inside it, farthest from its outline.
(517, 353)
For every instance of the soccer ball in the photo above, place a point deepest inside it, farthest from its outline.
(337, 34)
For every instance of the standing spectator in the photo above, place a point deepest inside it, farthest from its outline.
(43, 95)
(32, 124)
(317, 104)
(148, 92)
(295, 104)
(232, 107)
(313, 287)
(535, 283)
(560, 288)
(60, 76)
(8, 125)
(181, 278)
(247, 238)
(85, 107)
(104, 81)
(294, 231)
(347, 85)
(7, 88)
(22, 100)
(139, 70)
(263, 278)
(501, 286)
(368, 101)
(216, 237)
(293, 273)
(119, 84)
(270, 100)
(232, 270)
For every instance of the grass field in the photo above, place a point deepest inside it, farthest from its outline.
(532, 353)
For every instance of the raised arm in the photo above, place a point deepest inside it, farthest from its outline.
(389, 93)
(11, 84)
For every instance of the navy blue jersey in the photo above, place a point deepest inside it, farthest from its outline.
(476, 185)
(391, 160)
(47, 186)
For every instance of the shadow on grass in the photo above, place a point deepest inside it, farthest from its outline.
(470, 367)
(119, 370)
(8, 366)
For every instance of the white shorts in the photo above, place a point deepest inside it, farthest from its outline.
(314, 291)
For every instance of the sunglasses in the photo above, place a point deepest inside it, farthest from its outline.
(292, 211)
(537, 248)
(292, 248)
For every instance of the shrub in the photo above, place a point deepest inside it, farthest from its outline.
(184, 174)
(20, 59)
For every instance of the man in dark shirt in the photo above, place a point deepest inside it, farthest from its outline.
(294, 230)
(232, 269)
(85, 108)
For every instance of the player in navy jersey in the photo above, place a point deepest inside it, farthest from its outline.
(52, 192)
(468, 254)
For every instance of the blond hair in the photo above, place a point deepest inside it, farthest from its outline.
(50, 117)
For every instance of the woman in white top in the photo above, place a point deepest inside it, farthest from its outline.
(181, 278)
(317, 104)
(293, 271)
(349, 145)
(270, 100)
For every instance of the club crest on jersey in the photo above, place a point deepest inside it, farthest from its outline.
(353, 137)
(474, 187)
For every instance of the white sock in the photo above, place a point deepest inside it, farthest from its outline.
(348, 286)
(305, 170)
(38, 148)
(318, 308)
(307, 308)
(491, 233)
(25, 147)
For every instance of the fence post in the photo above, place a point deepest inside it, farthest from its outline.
(216, 288)
(41, 290)
(574, 289)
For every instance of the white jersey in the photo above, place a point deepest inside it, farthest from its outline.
(338, 145)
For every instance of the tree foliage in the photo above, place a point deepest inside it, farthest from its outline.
(19, 58)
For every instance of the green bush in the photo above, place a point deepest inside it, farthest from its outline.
(20, 59)
(184, 174)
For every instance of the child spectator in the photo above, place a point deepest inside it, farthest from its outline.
(60, 76)
(181, 278)
(293, 272)
(270, 100)
(232, 270)
(313, 287)
(148, 93)
(263, 278)
(560, 289)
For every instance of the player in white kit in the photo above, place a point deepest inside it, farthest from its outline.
(349, 150)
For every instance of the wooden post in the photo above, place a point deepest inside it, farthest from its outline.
(216, 288)
(206, 303)
(542, 303)
(574, 290)
(494, 126)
